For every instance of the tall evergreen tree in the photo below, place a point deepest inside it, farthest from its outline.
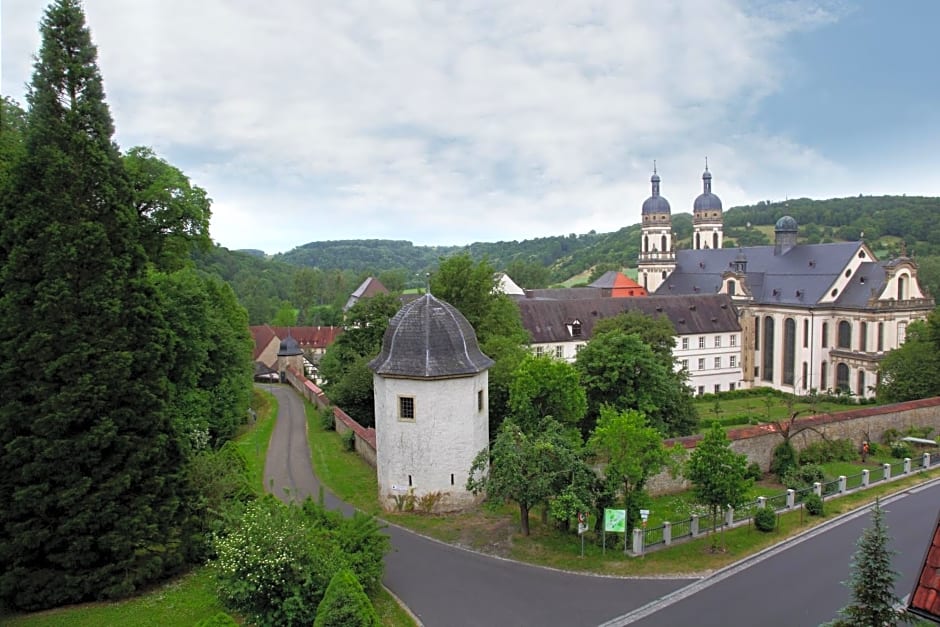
(872, 584)
(89, 479)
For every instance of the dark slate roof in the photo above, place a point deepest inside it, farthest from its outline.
(429, 338)
(655, 203)
(925, 599)
(568, 293)
(800, 277)
(289, 347)
(548, 320)
(707, 201)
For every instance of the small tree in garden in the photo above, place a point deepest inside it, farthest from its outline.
(345, 604)
(872, 580)
(718, 474)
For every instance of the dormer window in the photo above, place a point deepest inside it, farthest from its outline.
(576, 328)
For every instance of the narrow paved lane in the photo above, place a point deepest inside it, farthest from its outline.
(449, 587)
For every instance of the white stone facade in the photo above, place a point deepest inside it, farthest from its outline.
(433, 452)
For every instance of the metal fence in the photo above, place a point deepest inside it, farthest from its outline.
(682, 529)
(830, 487)
(778, 501)
(853, 481)
(653, 536)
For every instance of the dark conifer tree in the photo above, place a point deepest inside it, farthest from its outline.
(89, 497)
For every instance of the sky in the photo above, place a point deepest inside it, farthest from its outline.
(450, 122)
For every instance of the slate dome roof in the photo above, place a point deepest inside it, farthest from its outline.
(289, 347)
(707, 201)
(786, 223)
(429, 338)
(655, 203)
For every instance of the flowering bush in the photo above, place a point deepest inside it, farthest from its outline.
(275, 564)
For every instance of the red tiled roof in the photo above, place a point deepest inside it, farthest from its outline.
(262, 335)
(925, 600)
(310, 337)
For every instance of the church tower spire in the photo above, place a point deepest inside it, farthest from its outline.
(657, 251)
(707, 219)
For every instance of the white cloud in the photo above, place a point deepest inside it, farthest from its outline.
(445, 122)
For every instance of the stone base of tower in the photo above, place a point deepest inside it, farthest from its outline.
(431, 502)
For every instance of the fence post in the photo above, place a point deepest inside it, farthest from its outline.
(729, 516)
(693, 525)
(865, 478)
(791, 498)
(817, 488)
(926, 460)
(887, 468)
(842, 483)
(637, 541)
(761, 502)
(907, 465)
(667, 533)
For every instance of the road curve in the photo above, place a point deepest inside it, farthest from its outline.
(450, 587)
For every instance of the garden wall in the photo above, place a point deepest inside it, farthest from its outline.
(365, 437)
(857, 425)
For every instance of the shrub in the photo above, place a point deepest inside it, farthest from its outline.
(829, 450)
(814, 504)
(890, 435)
(327, 421)
(765, 519)
(345, 604)
(801, 477)
(754, 472)
(349, 440)
(784, 459)
(275, 564)
(900, 450)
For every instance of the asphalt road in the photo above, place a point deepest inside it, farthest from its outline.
(450, 587)
(799, 583)
(795, 584)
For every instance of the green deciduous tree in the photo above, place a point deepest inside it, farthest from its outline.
(621, 370)
(529, 274)
(874, 601)
(524, 469)
(174, 214)
(633, 452)
(543, 387)
(90, 472)
(912, 370)
(658, 332)
(718, 475)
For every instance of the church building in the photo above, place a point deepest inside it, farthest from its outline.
(813, 316)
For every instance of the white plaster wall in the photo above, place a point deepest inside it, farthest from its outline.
(709, 376)
(447, 433)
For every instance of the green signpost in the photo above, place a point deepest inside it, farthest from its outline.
(615, 520)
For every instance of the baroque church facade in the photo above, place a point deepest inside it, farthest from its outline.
(812, 316)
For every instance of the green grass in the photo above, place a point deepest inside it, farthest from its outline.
(254, 440)
(759, 408)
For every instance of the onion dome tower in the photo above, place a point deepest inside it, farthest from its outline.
(431, 405)
(706, 216)
(657, 252)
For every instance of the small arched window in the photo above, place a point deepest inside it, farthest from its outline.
(715, 240)
(845, 334)
(731, 287)
(842, 377)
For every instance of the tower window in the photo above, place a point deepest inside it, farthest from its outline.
(406, 408)
(479, 400)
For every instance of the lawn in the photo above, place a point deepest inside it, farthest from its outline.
(763, 408)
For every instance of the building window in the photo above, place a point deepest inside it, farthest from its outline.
(539, 351)
(406, 407)
(717, 341)
(805, 377)
(902, 332)
(560, 352)
(576, 328)
(825, 335)
(789, 350)
(701, 363)
(717, 362)
(731, 387)
(717, 388)
(806, 334)
(732, 340)
(701, 341)
(863, 337)
(842, 377)
(845, 334)
(733, 361)
(881, 336)
(768, 349)
(757, 333)
(861, 383)
(577, 348)
(685, 364)
(823, 377)
(701, 390)
(479, 400)
(731, 288)
(685, 343)
(902, 287)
